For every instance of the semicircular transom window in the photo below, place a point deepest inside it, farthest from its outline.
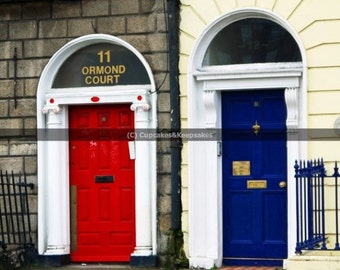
(249, 41)
(101, 64)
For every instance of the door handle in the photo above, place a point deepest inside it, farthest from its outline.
(256, 128)
(282, 184)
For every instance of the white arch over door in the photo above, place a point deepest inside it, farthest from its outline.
(204, 100)
(53, 165)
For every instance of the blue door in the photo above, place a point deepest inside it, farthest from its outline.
(254, 177)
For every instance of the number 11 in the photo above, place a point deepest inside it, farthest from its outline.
(103, 54)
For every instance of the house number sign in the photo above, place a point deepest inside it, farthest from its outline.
(104, 73)
(102, 64)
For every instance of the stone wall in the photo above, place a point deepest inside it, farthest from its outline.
(34, 31)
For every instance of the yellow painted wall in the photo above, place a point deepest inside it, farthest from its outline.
(317, 22)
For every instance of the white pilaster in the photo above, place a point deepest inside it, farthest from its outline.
(212, 104)
(293, 145)
(142, 183)
(55, 185)
(207, 219)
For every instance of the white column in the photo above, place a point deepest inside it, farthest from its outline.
(206, 193)
(142, 183)
(293, 143)
(213, 181)
(54, 197)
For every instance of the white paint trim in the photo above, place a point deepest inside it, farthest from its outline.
(204, 102)
(53, 165)
(250, 76)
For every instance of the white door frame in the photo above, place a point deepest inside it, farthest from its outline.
(205, 164)
(53, 155)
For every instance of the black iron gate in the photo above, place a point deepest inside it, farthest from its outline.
(15, 223)
(317, 225)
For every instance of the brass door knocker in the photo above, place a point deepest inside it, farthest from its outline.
(256, 128)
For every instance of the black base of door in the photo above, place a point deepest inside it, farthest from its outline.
(143, 261)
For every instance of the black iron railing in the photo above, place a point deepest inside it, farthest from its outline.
(15, 220)
(311, 180)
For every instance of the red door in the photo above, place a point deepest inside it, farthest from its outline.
(102, 184)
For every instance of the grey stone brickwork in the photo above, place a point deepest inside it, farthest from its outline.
(36, 29)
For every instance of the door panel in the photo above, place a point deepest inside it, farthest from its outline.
(102, 175)
(254, 205)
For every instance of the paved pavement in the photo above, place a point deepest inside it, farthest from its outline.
(127, 267)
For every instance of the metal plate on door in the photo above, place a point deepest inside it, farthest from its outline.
(256, 184)
(241, 168)
(104, 178)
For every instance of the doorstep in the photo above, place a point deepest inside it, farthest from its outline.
(250, 268)
(84, 266)
(314, 260)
